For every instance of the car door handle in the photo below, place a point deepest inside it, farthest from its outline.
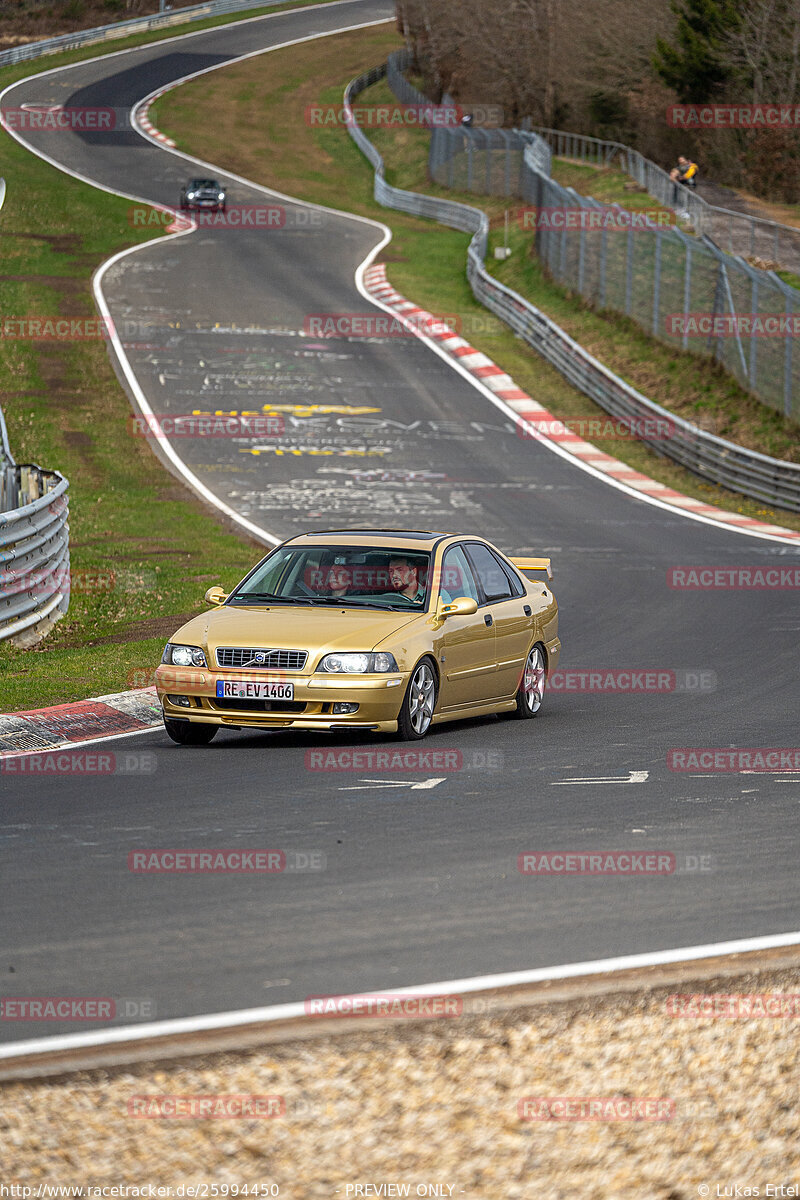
(526, 608)
(488, 619)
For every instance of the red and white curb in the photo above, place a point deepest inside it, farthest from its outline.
(147, 126)
(538, 423)
(43, 729)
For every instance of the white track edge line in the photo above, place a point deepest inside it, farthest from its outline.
(195, 484)
(282, 1012)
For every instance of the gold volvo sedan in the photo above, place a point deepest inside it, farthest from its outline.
(375, 629)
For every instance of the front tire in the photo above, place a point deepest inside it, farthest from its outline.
(187, 733)
(418, 703)
(530, 695)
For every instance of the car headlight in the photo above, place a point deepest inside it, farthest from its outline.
(358, 664)
(221, 196)
(190, 196)
(183, 656)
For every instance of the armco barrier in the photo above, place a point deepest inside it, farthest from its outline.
(121, 29)
(766, 479)
(34, 548)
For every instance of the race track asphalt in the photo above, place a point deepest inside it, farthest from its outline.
(419, 884)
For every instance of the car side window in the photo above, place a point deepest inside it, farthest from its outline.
(457, 577)
(516, 583)
(491, 572)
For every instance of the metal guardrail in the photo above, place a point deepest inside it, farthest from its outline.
(745, 471)
(121, 29)
(669, 283)
(34, 548)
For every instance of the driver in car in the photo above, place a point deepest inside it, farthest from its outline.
(404, 578)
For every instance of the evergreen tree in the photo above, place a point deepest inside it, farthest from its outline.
(695, 66)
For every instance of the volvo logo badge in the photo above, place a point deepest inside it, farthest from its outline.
(260, 657)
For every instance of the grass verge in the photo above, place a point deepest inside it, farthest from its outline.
(260, 132)
(143, 549)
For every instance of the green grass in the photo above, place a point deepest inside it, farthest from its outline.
(610, 186)
(65, 409)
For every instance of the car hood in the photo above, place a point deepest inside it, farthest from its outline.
(317, 630)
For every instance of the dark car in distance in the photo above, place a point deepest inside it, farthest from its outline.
(203, 194)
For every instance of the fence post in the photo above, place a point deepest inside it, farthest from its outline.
(581, 252)
(687, 293)
(787, 364)
(629, 275)
(657, 284)
(753, 340)
(603, 263)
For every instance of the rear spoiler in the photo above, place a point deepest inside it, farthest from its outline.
(533, 564)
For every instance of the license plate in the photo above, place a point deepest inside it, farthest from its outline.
(236, 689)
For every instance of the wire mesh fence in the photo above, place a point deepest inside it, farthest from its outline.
(736, 232)
(682, 289)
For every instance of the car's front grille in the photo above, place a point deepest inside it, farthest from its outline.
(270, 660)
(276, 706)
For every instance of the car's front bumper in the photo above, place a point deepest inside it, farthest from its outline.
(379, 698)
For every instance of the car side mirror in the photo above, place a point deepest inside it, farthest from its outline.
(215, 595)
(462, 606)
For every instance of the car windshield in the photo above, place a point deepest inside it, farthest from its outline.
(335, 575)
(205, 183)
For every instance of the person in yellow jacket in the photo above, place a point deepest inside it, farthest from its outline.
(685, 172)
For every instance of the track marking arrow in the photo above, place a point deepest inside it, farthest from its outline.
(368, 784)
(633, 777)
